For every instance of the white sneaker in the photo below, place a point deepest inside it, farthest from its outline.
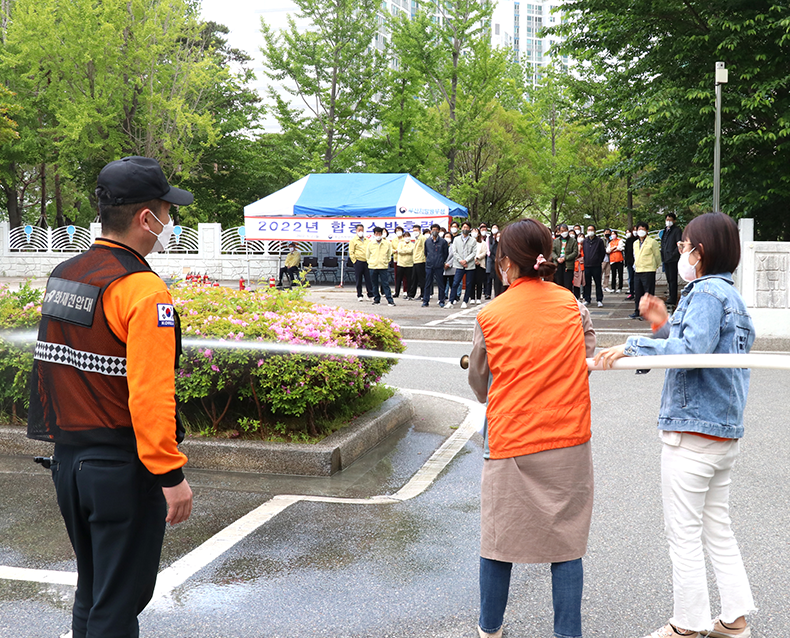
(360, 299)
(600, 304)
(608, 290)
(463, 305)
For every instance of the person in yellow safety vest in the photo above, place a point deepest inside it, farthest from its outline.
(396, 241)
(418, 274)
(357, 252)
(405, 262)
(292, 262)
(647, 259)
(379, 253)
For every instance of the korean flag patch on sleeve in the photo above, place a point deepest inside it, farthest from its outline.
(166, 315)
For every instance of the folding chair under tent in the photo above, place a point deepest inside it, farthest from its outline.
(328, 206)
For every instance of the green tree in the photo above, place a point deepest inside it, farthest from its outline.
(653, 66)
(334, 70)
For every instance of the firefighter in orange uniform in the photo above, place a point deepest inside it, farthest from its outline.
(103, 390)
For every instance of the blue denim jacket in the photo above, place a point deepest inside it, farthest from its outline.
(710, 318)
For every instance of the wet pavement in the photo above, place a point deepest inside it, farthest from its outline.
(367, 569)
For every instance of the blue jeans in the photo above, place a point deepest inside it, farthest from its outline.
(455, 289)
(433, 275)
(381, 283)
(567, 580)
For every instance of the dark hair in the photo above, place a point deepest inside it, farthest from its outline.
(398, 228)
(378, 229)
(362, 226)
(672, 215)
(117, 219)
(721, 242)
(466, 224)
(593, 226)
(642, 225)
(563, 226)
(435, 225)
(521, 242)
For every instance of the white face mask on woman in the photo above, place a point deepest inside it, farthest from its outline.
(686, 269)
(642, 232)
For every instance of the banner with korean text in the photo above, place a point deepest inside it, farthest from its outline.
(340, 229)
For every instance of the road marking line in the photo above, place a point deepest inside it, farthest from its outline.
(38, 575)
(200, 557)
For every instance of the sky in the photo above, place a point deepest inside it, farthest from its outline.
(243, 18)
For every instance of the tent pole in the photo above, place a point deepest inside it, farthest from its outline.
(342, 262)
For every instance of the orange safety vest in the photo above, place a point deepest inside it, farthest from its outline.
(539, 398)
(615, 256)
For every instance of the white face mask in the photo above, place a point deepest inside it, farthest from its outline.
(398, 233)
(614, 237)
(642, 232)
(669, 223)
(163, 238)
(628, 235)
(360, 234)
(505, 281)
(564, 235)
(474, 234)
(495, 230)
(484, 233)
(686, 269)
(378, 237)
(590, 233)
(454, 230)
(441, 235)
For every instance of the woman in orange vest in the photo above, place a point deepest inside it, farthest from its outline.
(537, 485)
(615, 251)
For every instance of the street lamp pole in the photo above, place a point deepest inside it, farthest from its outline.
(721, 78)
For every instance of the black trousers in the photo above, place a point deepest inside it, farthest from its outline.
(671, 271)
(292, 272)
(417, 279)
(592, 273)
(404, 274)
(361, 270)
(480, 280)
(645, 282)
(631, 279)
(617, 271)
(114, 512)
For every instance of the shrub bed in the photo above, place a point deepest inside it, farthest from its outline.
(237, 391)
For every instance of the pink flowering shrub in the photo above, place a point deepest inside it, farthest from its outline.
(19, 311)
(233, 384)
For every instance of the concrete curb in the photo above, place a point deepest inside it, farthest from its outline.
(436, 333)
(334, 453)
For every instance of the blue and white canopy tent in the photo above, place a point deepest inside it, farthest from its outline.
(329, 206)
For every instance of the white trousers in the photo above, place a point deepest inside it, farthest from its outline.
(695, 482)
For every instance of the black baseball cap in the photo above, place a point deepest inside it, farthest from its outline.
(135, 179)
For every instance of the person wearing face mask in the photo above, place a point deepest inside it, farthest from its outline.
(578, 270)
(491, 278)
(453, 229)
(418, 274)
(537, 481)
(357, 252)
(670, 256)
(594, 252)
(405, 263)
(615, 250)
(480, 267)
(379, 254)
(464, 251)
(628, 255)
(396, 241)
(291, 266)
(606, 266)
(436, 253)
(700, 424)
(564, 252)
(647, 259)
(103, 390)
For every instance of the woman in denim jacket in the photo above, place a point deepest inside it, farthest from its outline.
(700, 424)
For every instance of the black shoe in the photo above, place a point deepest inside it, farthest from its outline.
(425, 305)
(376, 303)
(630, 298)
(634, 315)
(390, 303)
(441, 304)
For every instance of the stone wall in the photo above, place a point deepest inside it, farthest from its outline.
(763, 282)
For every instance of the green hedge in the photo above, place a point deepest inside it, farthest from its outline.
(235, 389)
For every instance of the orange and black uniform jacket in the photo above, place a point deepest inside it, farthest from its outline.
(103, 372)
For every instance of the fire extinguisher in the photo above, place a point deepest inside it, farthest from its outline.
(241, 283)
(272, 282)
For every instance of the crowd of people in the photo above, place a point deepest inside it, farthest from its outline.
(459, 263)
(456, 265)
(604, 259)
